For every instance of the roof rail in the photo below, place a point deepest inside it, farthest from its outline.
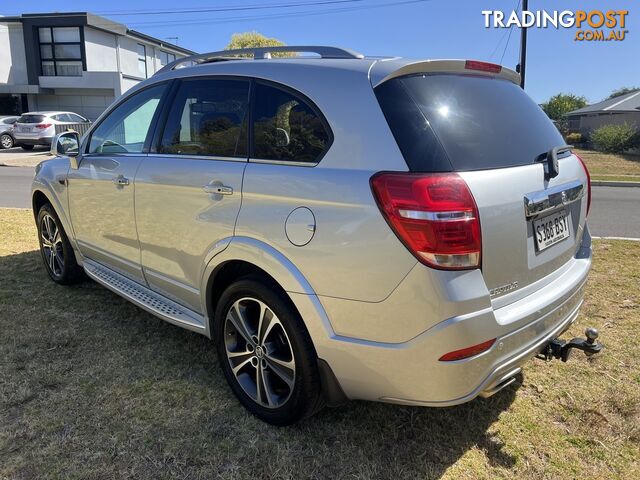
(260, 53)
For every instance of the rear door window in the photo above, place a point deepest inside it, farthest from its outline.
(208, 117)
(445, 122)
(286, 127)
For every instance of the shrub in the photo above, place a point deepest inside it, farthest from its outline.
(573, 138)
(615, 138)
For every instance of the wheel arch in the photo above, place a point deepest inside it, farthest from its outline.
(10, 135)
(245, 256)
(41, 195)
(38, 200)
(242, 256)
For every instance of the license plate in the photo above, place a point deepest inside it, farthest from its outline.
(24, 129)
(551, 229)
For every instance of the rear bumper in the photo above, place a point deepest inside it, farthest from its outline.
(32, 140)
(505, 371)
(410, 372)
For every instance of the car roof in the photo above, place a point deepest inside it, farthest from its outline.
(48, 112)
(378, 69)
(361, 65)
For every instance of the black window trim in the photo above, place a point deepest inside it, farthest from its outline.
(310, 104)
(163, 117)
(152, 126)
(53, 43)
(159, 122)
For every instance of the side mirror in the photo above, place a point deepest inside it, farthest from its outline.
(66, 144)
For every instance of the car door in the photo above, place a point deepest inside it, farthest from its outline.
(188, 192)
(101, 189)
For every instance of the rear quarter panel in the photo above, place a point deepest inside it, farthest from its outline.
(353, 253)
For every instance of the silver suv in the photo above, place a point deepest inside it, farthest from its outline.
(342, 227)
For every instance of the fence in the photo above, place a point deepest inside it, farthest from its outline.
(81, 128)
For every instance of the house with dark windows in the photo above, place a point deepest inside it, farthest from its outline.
(74, 61)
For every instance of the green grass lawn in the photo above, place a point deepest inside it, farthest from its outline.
(611, 167)
(92, 387)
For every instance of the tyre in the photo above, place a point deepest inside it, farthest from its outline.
(6, 141)
(57, 253)
(266, 353)
(27, 147)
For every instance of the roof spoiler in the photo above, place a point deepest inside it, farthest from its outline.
(388, 72)
(260, 53)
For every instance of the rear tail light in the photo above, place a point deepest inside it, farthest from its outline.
(467, 352)
(482, 66)
(586, 170)
(43, 125)
(434, 215)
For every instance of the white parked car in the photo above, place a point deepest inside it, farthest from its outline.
(39, 128)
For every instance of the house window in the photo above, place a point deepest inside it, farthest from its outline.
(166, 58)
(60, 51)
(142, 60)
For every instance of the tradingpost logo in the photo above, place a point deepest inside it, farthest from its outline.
(590, 25)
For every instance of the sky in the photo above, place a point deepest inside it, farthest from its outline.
(412, 28)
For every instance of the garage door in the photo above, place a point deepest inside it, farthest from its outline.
(89, 106)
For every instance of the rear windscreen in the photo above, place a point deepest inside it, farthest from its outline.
(31, 119)
(445, 122)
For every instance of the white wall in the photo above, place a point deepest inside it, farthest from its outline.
(127, 83)
(13, 66)
(129, 57)
(101, 51)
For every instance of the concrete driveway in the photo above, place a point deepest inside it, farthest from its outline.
(17, 157)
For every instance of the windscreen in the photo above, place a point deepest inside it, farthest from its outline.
(31, 119)
(446, 122)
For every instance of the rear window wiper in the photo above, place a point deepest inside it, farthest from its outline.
(551, 160)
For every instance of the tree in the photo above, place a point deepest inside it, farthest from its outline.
(622, 91)
(563, 103)
(253, 40)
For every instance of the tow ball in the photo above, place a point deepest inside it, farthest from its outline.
(561, 349)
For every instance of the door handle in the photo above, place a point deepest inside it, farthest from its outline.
(218, 189)
(120, 181)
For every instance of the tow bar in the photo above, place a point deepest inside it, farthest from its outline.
(561, 349)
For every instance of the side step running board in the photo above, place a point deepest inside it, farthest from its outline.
(149, 300)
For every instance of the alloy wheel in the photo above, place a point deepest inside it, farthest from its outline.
(259, 352)
(52, 248)
(6, 141)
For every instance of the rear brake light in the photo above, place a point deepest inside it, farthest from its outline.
(482, 66)
(434, 215)
(467, 352)
(586, 170)
(43, 125)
